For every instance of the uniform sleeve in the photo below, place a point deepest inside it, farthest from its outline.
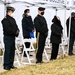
(73, 27)
(38, 26)
(67, 25)
(32, 25)
(7, 28)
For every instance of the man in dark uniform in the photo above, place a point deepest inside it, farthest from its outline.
(72, 32)
(10, 30)
(42, 31)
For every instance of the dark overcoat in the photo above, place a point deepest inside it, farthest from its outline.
(56, 31)
(27, 26)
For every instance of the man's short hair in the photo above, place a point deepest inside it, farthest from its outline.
(26, 10)
(73, 14)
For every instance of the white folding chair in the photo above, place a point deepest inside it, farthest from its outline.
(18, 46)
(2, 48)
(62, 45)
(30, 49)
(17, 59)
(47, 44)
(18, 52)
(47, 57)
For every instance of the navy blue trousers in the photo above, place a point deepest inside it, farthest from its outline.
(9, 43)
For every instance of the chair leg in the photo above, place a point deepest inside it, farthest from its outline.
(28, 57)
(29, 62)
(46, 55)
(17, 60)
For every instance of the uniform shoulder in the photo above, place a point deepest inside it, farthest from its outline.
(24, 18)
(4, 19)
(37, 17)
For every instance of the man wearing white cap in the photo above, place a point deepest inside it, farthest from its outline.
(10, 31)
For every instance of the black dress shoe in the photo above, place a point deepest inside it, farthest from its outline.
(26, 55)
(38, 62)
(30, 55)
(13, 67)
(7, 68)
(71, 54)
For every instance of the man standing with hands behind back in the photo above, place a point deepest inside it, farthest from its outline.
(72, 33)
(10, 31)
(41, 30)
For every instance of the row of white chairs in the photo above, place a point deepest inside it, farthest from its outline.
(30, 49)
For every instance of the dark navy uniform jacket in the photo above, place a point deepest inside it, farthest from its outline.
(10, 27)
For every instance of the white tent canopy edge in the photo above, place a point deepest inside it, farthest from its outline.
(42, 3)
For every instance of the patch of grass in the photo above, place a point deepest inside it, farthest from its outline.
(64, 66)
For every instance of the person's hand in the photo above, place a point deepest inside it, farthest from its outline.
(46, 34)
(33, 30)
(61, 35)
(17, 33)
